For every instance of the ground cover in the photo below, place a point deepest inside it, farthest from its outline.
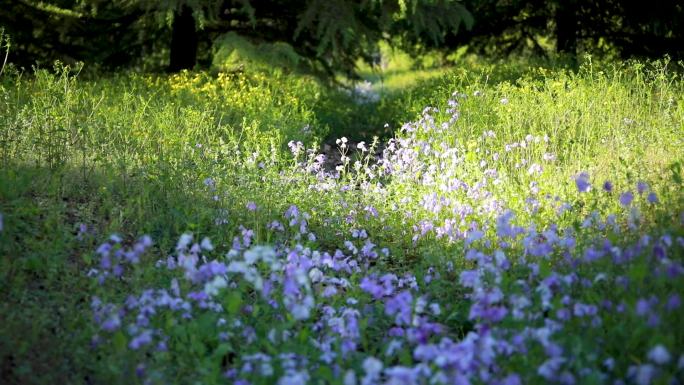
(188, 230)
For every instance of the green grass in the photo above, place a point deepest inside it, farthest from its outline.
(130, 154)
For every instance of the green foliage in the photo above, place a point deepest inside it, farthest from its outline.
(233, 52)
(571, 28)
(132, 154)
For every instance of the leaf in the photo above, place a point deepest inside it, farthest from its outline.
(233, 302)
(119, 340)
(325, 373)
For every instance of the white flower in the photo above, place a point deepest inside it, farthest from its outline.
(315, 275)
(300, 312)
(294, 378)
(212, 287)
(184, 241)
(372, 366)
(535, 168)
(349, 377)
(237, 267)
(206, 244)
(342, 142)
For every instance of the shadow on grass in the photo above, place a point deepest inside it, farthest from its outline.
(45, 294)
(351, 116)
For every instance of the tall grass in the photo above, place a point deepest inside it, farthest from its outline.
(218, 156)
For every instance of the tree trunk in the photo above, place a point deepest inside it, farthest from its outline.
(566, 27)
(183, 40)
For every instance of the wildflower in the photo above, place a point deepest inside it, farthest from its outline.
(503, 101)
(1, 222)
(184, 241)
(398, 375)
(642, 307)
(644, 374)
(512, 379)
(626, 198)
(141, 340)
(652, 198)
(251, 206)
(140, 370)
(535, 168)
(294, 378)
(608, 186)
(212, 288)
(659, 355)
(349, 377)
(582, 182)
(112, 323)
(295, 147)
(401, 306)
(372, 366)
(642, 187)
(342, 142)
(206, 244)
(673, 302)
(549, 368)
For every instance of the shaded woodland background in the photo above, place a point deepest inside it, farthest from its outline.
(331, 35)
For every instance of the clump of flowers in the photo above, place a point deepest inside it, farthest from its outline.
(534, 298)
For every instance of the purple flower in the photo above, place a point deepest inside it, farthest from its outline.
(608, 186)
(371, 287)
(644, 374)
(141, 340)
(251, 206)
(563, 314)
(401, 306)
(140, 370)
(470, 278)
(582, 182)
(652, 198)
(490, 314)
(659, 355)
(399, 375)
(512, 379)
(626, 198)
(112, 323)
(642, 307)
(642, 187)
(372, 366)
(549, 368)
(653, 320)
(582, 310)
(673, 302)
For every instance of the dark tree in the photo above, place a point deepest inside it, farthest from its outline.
(631, 28)
(183, 48)
(333, 34)
(566, 27)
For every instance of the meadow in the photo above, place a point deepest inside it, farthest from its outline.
(512, 223)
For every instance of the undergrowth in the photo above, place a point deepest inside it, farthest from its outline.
(187, 229)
